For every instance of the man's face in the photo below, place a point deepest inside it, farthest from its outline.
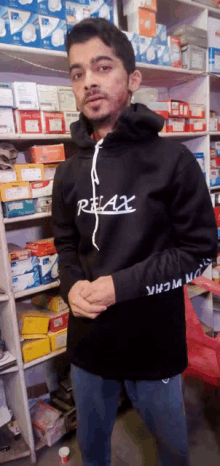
(99, 81)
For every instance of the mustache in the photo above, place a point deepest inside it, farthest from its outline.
(94, 93)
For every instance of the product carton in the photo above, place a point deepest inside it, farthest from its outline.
(200, 157)
(162, 108)
(70, 117)
(21, 267)
(15, 190)
(50, 301)
(53, 122)
(129, 6)
(214, 32)
(48, 266)
(173, 107)
(48, 98)
(6, 95)
(174, 125)
(215, 177)
(163, 55)
(58, 321)
(24, 28)
(33, 349)
(18, 208)
(148, 50)
(52, 8)
(5, 35)
(76, 11)
(134, 39)
(193, 57)
(50, 170)
(41, 188)
(42, 247)
(214, 60)
(31, 320)
(7, 176)
(213, 124)
(66, 99)
(29, 5)
(7, 125)
(174, 44)
(215, 145)
(161, 31)
(29, 171)
(142, 22)
(58, 340)
(48, 422)
(197, 111)
(25, 95)
(102, 9)
(28, 121)
(193, 125)
(26, 281)
(52, 33)
(46, 154)
(16, 252)
(43, 204)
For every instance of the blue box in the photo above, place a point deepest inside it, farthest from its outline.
(52, 8)
(48, 266)
(163, 55)
(102, 9)
(76, 11)
(148, 50)
(53, 33)
(18, 208)
(214, 60)
(24, 28)
(26, 266)
(133, 37)
(26, 281)
(161, 32)
(4, 25)
(28, 5)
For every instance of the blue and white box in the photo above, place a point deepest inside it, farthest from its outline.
(102, 9)
(24, 28)
(161, 32)
(200, 157)
(76, 12)
(5, 36)
(53, 33)
(215, 177)
(25, 281)
(148, 50)
(18, 208)
(28, 5)
(6, 95)
(163, 55)
(26, 266)
(134, 39)
(48, 266)
(214, 60)
(52, 8)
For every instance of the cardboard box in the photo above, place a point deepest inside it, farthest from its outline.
(50, 170)
(6, 95)
(58, 321)
(25, 95)
(148, 50)
(66, 99)
(134, 39)
(15, 191)
(48, 266)
(33, 349)
(7, 125)
(43, 204)
(102, 9)
(173, 107)
(25, 266)
(31, 320)
(52, 33)
(70, 117)
(213, 124)
(18, 208)
(200, 157)
(53, 122)
(214, 59)
(215, 177)
(162, 108)
(30, 5)
(48, 8)
(161, 31)
(48, 422)
(193, 125)
(42, 247)
(163, 55)
(76, 11)
(197, 111)
(46, 154)
(175, 125)
(5, 30)
(216, 146)
(48, 98)
(214, 32)
(58, 340)
(16, 252)
(29, 171)
(37, 392)
(142, 22)
(174, 44)
(193, 57)
(26, 281)
(24, 28)
(7, 176)
(28, 121)
(41, 188)
(50, 301)
(129, 6)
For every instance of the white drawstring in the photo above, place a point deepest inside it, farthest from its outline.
(95, 180)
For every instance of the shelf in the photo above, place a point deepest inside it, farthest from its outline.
(215, 133)
(19, 450)
(166, 76)
(8, 371)
(24, 137)
(202, 6)
(36, 289)
(214, 188)
(3, 298)
(44, 358)
(207, 284)
(195, 290)
(27, 217)
(184, 135)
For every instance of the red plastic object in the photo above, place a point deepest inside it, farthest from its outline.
(203, 351)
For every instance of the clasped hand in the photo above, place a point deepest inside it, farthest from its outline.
(89, 299)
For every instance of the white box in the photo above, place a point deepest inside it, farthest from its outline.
(213, 124)
(102, 9)
(163, 55)
(52, 33)
(215, 145)
(6, 121)
(30, 5)
(66, 99)
(193, 57)
(144, 95)
(214, 32)
(161, 30)
(26, 281)
(7, 176)
(76, 11)
(52, 8)
(6, 95)
(22, 267)
(48, 98)
(25, 95)
(48, 266)
(41, 188)
(148, 50)
(133, 37)
(24, 28)
(70, 117)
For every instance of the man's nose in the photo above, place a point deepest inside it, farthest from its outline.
(90, 80)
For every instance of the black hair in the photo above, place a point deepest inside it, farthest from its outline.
(108, 33)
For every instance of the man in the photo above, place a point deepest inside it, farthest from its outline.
(133, 222)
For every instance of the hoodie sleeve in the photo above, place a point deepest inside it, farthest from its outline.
(66, 240)
(192, 217)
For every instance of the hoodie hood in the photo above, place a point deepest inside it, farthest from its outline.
(134, 123)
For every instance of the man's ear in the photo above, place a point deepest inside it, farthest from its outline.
(134, 80)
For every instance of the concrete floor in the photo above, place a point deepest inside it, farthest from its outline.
(133, 445)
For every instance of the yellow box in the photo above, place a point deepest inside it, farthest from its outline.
(15, 191)
(29, 171)
(34, 349)
(33, 322)
(49, 301)
(58, 339)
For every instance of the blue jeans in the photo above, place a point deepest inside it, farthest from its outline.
(159, 404)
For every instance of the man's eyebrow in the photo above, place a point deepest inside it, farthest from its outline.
(94, 60)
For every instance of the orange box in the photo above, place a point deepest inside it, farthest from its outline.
(46, 154)
(29, 171)
(194, 125)
(42, 247)
(142, 22)
(15, 191)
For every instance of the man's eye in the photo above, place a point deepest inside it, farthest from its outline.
(76, 76)
(104, 68)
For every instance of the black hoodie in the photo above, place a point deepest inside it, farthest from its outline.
(143, 215)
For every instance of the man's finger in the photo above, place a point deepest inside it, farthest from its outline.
(85, 306)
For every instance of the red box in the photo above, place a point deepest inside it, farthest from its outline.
(46, 154)
(28, 121)
(53, 122)
(217, 215)
(174, 43)
(175, 125)
(173, 107)
(197, 111)
(42, 247)
(183, 109)
(194, 125)
(58, 321)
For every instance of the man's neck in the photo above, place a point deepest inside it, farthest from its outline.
(101, 132)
